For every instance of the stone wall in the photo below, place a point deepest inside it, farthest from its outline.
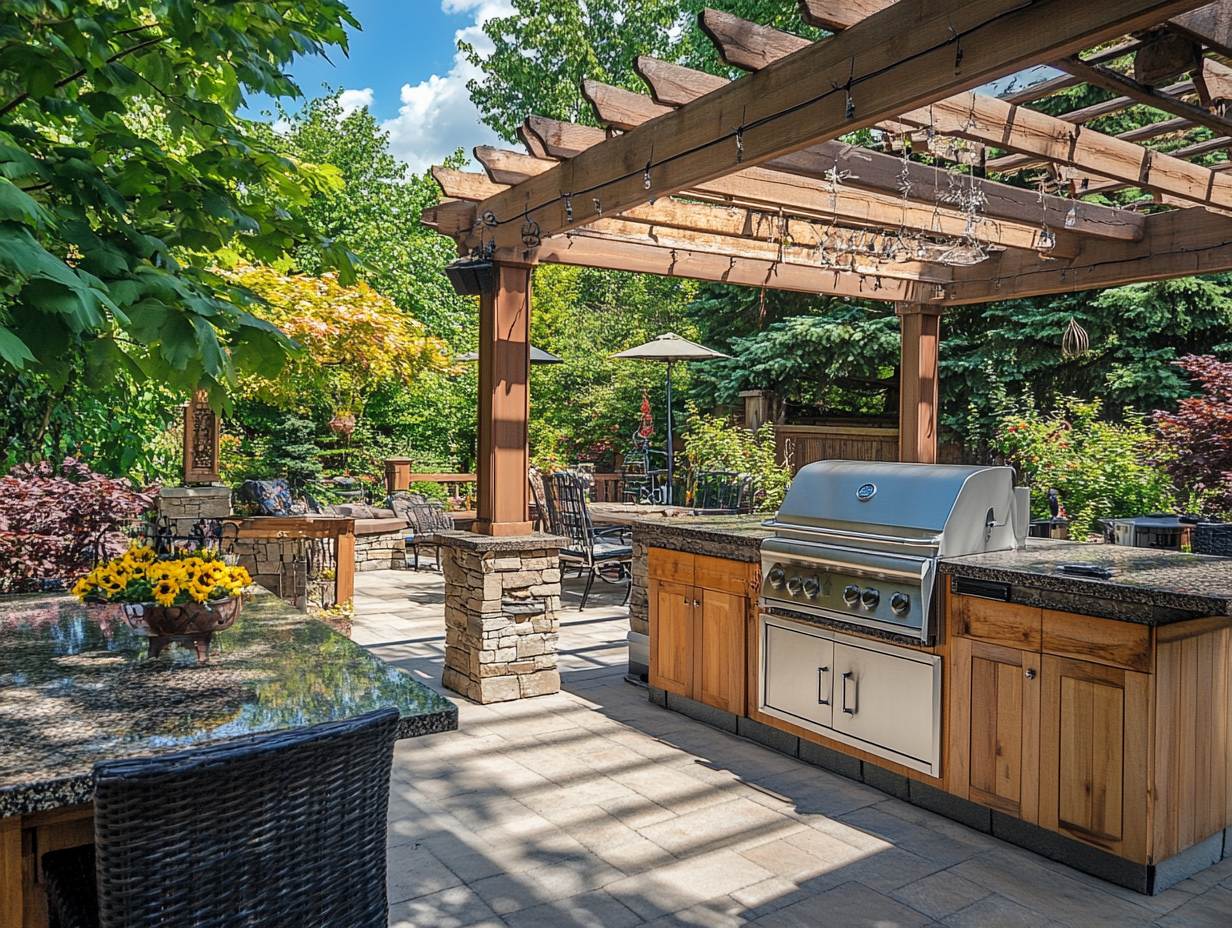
(502, 616)
(639, 599)
(186, 506)
(386, 551)
(278, 564)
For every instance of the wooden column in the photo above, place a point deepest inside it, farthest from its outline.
(917, 403)
(201, 429)
(504, 404)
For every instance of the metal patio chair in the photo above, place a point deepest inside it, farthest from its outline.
(588, 553)
(278, 830)
(722, 492)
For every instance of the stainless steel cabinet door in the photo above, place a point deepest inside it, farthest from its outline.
(885, 699)
(797, 674)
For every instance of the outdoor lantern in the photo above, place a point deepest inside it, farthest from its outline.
(472, 276)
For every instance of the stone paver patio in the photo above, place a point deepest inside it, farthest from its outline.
(594, 808)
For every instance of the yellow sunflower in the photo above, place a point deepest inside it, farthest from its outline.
(167, 570)
(144, 555)
(165, 592)
(84, 587)
(111, 582)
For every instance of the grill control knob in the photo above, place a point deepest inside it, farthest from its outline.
(870, 598)
(851, 595)
(812, 586)
(900, 603)
(776, 577)
(794, 585)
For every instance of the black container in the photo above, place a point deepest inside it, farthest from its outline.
(1212, 538)
(472, 276)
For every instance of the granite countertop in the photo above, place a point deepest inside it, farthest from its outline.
(77, 687)
(1146, 585)
(739, 536)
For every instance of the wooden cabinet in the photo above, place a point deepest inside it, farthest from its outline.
(1053, 740)
(699, 614)
(994, 730)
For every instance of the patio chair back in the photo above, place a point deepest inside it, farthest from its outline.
(722, 491)
(284, 829)
(566, 500)
(535, 479)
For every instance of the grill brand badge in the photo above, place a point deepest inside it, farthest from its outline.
(866, 492)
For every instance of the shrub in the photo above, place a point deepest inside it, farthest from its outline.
(1100, 470)
(713, 443)
(1196, 440)
(56, 524)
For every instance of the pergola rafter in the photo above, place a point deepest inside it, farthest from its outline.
(745, 181)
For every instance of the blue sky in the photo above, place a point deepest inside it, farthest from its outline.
(404, 65)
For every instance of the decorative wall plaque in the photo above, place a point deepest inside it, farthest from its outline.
(201, 429)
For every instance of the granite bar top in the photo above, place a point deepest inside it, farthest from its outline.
(738, 538)
(1146, 586)
(77, 687)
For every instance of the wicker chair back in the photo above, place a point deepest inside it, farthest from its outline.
(285, 830)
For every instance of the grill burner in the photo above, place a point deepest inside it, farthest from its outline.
(858, 541)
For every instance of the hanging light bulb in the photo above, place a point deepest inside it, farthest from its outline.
(1047, 239)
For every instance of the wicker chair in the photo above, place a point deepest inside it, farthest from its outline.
(424, 519)
(588, 553)
(278, 830)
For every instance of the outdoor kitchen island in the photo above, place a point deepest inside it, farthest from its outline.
(1087, 717)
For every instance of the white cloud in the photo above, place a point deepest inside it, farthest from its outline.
(437, 116)
(352, 100)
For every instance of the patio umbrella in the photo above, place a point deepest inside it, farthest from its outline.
(537, 356)
(669, 348)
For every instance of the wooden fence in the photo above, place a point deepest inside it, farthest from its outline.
(797, 445)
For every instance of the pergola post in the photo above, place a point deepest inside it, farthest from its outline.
(917, 403)
(504, 403)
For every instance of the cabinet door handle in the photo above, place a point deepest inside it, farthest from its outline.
(696, 603)
(1030, 673)
(820, 701)
(845, 709)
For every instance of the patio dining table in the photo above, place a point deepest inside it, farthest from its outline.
(77, 686)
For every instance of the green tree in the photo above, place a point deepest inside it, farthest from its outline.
(123, 166)
(546, 48)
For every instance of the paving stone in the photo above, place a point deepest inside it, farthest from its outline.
(587, 910)
(686, 883)
(1213, 909)
(413, 871)
(457, 907)
(1000, 912)
(940, 894)
(733, 824)
(849, 905)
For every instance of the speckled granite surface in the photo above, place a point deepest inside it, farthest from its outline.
(737, 538)
(1147, 586)
(76, 687)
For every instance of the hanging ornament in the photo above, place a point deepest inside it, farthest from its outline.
(343, 422)
(1074, 342)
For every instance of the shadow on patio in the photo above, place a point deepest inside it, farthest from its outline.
(595, 808)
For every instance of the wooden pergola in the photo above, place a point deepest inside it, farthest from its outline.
(744, 181)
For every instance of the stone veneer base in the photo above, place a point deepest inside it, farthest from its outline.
(1147, 879)
(502, 615)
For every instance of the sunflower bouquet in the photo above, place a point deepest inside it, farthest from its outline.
(140, 576)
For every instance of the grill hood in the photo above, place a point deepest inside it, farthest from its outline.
(933, 509)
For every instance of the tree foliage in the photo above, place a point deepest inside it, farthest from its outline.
(353, 339)
(1197, 438)
(123, 165)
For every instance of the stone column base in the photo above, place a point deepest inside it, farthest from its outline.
(186, 506)
(502, 614)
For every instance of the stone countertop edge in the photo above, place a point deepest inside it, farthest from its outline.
(58, 792)
(1138, 604)
(696, 535)
(472, 541)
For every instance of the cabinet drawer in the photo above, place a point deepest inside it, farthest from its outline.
(673, 566)
(1008, 624)
(798, 677)
(1101, 641)
(716, 573)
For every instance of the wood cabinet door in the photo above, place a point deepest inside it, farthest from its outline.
(672, 637)
(721, 664)
(994, 740)
(1094, 726)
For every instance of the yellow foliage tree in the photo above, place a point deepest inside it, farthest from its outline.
(352, 340)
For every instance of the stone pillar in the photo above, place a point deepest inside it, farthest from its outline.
(502, 615)
(186, 506)
(918, 375)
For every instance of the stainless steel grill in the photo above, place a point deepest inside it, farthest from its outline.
(858, 541)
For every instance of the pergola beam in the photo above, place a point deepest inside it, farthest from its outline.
(986, 119)
(874, 171)
(890, 62)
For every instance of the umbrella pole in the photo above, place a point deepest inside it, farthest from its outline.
(670, 471)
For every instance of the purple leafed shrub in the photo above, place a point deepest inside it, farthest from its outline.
(55, 522)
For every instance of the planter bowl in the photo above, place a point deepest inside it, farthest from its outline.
(192, 621)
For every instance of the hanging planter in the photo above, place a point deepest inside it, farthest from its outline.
(343, 422)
